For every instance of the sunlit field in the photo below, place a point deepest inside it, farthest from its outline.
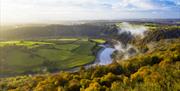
(22, 57)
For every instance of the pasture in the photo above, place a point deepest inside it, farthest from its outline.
(25, 57)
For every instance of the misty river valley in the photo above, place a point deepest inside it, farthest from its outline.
(93, 56)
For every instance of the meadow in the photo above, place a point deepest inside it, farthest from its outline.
(26, 57)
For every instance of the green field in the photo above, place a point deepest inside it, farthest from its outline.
(22, 57)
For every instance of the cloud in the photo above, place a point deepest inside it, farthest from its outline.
(96, 4)
(51, 10)
(135, 5)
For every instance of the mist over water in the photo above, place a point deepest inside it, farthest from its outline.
(126, 33)
(123, 49)
(134, 30)
(124, 52)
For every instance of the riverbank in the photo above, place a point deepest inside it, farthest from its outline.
(103, 57)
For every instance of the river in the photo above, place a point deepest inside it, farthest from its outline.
(104, 55)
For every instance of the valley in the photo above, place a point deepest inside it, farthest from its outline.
(98, 56)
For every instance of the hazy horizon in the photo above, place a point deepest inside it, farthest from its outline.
(52, 11)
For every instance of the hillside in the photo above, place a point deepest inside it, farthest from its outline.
(51, 31)
(156, 70)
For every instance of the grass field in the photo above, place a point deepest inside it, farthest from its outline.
(22, 57)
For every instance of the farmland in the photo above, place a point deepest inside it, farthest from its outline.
(22, 57)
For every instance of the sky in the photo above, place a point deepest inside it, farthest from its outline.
(24, 11)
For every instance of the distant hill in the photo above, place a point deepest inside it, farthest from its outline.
(52, 31)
